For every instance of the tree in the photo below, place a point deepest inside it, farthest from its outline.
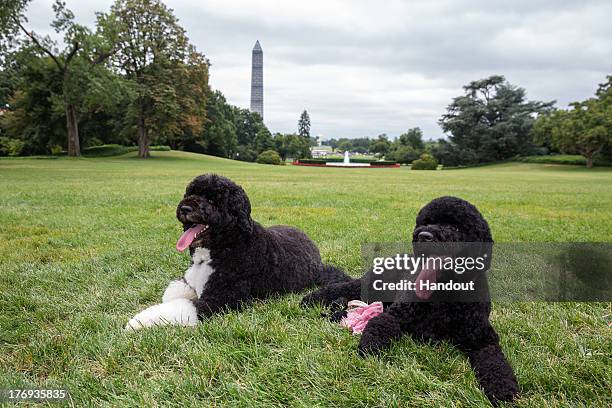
(83, 51)
(168, 77)
(294, 146)
(219, 134)
(31, 114)
(281, 145)
(450, 155)
(403, 154)
(585, 128)
(413, 138)
(304, 125)
(381, 145)
(245, 153)
(247, 125)
(492, 120)
(345, 146)
(263, 140)
(12, 16)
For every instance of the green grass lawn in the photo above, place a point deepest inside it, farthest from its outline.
(85, 244)
(564, 159)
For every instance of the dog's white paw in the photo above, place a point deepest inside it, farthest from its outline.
(177, 312)
(178, 289)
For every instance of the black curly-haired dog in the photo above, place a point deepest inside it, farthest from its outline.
(433, 317)
(234, 260)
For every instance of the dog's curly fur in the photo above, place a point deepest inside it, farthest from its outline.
(249, 261)
(466, 325)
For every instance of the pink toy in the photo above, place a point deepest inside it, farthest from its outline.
(359, 314)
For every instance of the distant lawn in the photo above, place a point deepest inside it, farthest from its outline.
(85, 244)
(564, 159)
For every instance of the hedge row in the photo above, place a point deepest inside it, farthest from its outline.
(383, 163)
(339, 160)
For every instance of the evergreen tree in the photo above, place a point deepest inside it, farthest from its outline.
(492, 120)
(304, 125)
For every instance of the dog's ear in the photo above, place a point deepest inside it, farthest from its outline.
(240, 208)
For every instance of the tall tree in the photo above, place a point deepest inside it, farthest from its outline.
(168, 77)
(585, 128)
(219, 133)
(381, 145)
(492, 120)
(263, 140)
(81, 45)
(247, 125)
(304, 125)
(12, 13)
(31, 114)
(413, 138)
(292, 145)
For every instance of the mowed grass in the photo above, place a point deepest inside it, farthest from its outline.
(85, 244)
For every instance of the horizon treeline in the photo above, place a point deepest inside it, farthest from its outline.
(135, 79)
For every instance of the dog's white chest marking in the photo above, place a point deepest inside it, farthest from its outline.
(198, 273)
(177, 305)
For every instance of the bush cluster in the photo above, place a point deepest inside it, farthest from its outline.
(269, 157)
(426, 162)
(11, 147)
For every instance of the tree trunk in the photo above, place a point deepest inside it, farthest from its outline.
(589, 161)
(74, 147)
(143, 136)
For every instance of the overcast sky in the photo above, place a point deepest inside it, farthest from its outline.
(363, 67)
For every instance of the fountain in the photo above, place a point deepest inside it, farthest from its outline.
(347, 162)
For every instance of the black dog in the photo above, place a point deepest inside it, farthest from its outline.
(234, 259)
(464, 324)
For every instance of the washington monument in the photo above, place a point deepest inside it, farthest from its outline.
(257, 80)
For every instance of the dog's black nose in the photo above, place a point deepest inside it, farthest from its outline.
(185, 209)
(425, 236)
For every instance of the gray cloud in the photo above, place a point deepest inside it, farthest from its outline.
(366, 67)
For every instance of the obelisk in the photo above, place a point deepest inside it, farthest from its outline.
(257, 80)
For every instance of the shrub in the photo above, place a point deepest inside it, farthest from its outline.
(11, 147)
(269, 157)
(56, 150)
(426, 162)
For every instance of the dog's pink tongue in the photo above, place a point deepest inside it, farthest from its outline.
(188, 236)
(424, 276)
